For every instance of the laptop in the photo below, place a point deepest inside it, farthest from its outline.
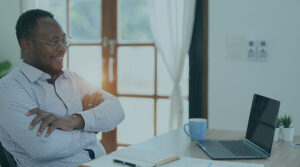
(259, 135)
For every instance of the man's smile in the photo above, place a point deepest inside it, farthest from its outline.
(57, 59)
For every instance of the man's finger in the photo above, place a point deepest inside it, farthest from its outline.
(98, 98)
(84, 102)
(33, 111)
(86, 105)
(85, 98)
(99, 94)
(102, 99)
(50, 130)
(95, 100)
(45, 124)
(90, 101)
(98, 101)
(37, 119)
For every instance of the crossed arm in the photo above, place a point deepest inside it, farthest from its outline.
(67, 123)
(60, 143)
(109, 112)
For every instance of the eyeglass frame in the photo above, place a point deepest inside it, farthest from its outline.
(63, 44)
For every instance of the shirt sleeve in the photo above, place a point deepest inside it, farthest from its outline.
(106, 116)
(14, 103)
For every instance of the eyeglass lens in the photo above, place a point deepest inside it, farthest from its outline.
(61, 42)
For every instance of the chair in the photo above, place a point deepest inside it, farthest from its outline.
(6, 159)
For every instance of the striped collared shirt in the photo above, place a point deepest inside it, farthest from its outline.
(26, 88)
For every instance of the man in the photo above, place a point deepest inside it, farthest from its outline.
(48, 116)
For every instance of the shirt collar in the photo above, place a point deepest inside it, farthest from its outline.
(33, 73)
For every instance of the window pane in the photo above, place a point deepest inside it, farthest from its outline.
(138, 123)
(134, 21)
(87, 62)
(136, 70)
(163, 114)
(57, 8)
(85, 20)
(164, 82)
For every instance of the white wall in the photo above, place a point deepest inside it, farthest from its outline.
(232, 83)
(9, 47)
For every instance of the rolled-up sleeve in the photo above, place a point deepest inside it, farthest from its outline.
(14, 103)
(106, 116)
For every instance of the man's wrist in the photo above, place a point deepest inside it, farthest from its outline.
(77, 121)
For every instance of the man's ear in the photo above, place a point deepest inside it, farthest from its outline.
(26, 45)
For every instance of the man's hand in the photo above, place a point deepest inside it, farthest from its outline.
(91, 101)
(54, 121)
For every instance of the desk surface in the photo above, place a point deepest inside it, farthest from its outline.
(176, 142)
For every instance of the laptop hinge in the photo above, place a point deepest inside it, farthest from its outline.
(259, 148)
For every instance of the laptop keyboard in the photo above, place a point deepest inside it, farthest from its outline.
(240, 148)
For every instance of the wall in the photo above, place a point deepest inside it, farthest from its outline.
(232, 83)
(9, 47)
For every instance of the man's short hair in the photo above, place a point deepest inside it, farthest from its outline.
(27, 22)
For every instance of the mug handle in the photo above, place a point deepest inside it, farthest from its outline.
(184, 128)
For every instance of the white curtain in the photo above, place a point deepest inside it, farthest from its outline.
(172, 25)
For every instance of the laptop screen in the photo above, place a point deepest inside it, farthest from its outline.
(262, 121)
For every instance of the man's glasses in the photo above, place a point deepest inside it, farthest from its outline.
(64, 42)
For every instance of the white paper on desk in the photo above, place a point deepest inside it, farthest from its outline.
(197, 162)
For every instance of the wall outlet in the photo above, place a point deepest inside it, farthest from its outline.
(252, 51)
(262, 50)
(258, 50)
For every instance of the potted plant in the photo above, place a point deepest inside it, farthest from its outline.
(4, 67)
(287, 129)
(277, 134)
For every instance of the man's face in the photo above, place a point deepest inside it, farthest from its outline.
(45, 57)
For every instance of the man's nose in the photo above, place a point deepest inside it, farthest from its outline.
(62, 49)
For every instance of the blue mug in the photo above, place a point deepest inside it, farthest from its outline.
(196, 128)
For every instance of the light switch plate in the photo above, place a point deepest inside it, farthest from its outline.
(235, 48)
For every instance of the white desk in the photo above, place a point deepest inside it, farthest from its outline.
(176, 142)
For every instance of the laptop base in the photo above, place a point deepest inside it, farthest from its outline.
(217, 151)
